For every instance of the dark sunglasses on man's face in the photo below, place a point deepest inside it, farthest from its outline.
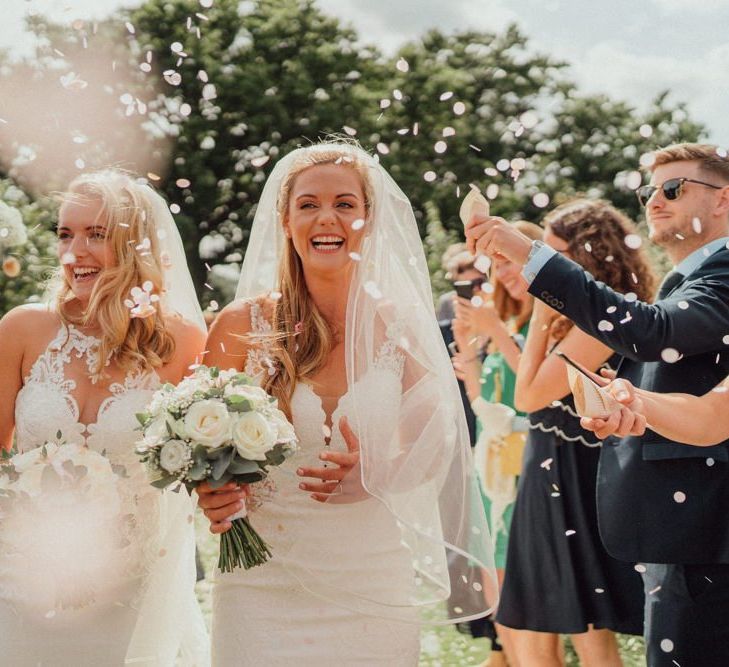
(672, 189)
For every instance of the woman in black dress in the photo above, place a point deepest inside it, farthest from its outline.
(559, 578)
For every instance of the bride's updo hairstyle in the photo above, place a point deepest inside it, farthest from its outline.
(305, 338)
(126, 209)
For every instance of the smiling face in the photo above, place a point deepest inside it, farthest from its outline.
(325, 217)
(83, 246)
(671, 223)
(508, 273)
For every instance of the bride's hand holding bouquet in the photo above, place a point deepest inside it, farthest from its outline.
(213, 432)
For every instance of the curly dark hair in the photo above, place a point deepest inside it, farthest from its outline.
(595, 233)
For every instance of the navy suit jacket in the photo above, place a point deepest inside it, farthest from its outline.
(658, 501)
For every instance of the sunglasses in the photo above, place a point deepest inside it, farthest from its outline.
(672, 189)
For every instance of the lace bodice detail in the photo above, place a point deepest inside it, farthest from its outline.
(46, 405)
(381, 389)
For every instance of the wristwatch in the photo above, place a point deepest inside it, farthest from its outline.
(536, 246)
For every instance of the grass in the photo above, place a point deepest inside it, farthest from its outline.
(441, 646)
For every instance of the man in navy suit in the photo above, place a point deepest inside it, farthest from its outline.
(661, 504)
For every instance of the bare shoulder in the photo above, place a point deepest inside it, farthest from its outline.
(29, 322)
(185, 332)
(239, 316)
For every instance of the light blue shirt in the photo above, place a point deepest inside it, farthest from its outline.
(535, 264)
(686, 267)
(689, 264)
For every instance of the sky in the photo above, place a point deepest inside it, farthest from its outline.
(630, 49)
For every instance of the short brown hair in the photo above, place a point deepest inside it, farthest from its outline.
(711, 159)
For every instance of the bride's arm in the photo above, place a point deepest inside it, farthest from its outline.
(226, 346)
(15, 331)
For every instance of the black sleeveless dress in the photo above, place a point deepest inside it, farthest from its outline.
(559, 578)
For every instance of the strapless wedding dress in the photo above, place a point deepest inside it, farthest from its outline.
(144, 612)
(267, 615)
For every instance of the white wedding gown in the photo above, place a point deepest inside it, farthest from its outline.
(144, 612)
(266, 615)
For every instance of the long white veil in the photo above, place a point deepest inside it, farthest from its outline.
(419, 468)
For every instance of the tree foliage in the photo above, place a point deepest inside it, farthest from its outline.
(219, 94)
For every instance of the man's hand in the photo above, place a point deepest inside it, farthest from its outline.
(495, 237)
(628, 420)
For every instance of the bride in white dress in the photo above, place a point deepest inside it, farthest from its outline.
(83, 366)
(335, 318)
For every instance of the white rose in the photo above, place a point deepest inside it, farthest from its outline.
(253, 436)
(174, 455)
(156, 431)
(208, 423)
(285, 430)
(253, 394)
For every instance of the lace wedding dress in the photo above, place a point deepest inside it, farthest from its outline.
(266, 615)
(144, 611)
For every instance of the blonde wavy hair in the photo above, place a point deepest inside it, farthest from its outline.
(126, 210)
(303, 337)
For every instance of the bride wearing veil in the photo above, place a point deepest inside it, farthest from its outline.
(81, 366)
(334, 316)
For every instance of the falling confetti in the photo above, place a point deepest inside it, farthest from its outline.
(446, 96)
(482, 264)
(541, 200)
(402, 65)
(633, 241)
(350, 131)
(670, 355)
(73, 81)
(459, 108)
(260, 160)
(371, 288)
(429, 176)
(679, 497)
(696, 225)
(604, 325)
(440, 147)
(358, 224)
(666, 645)
(140, 305)
(182, 183)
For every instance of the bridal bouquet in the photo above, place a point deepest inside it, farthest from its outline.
(59, 504)
(216, 426)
